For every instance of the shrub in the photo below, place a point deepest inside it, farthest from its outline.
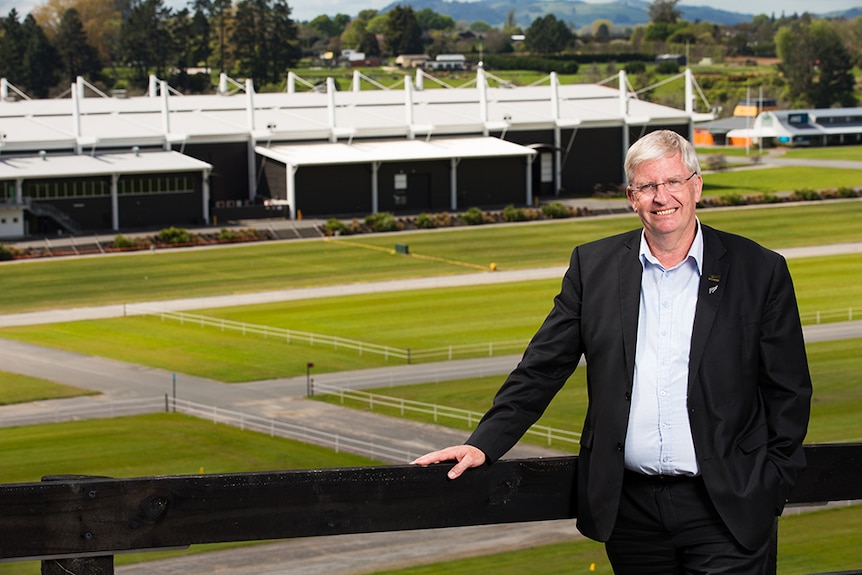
(425, 222)
(381, 222)
(668, 67)
(805, 194)
(716, 162)
(634, 67)
(233, 235)
(847, 192)
(335, 227)
(174, 236)
(443, 220)
(122, 242)
(555, 210)
(473, 217)
(513, 214)
(5, 253)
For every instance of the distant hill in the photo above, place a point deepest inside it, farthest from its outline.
(621, 12)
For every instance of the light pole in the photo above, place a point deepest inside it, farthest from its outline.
(309, 391)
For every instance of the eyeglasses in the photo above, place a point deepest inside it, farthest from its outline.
(672, 185)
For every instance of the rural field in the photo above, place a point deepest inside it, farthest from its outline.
(415, 319)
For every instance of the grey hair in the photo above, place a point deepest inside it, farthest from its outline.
(657, 145)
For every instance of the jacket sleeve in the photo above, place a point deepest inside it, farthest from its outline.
(548, 362)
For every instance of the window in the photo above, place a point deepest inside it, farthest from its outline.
(546, 165)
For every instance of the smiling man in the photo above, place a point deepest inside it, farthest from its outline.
(697, 377)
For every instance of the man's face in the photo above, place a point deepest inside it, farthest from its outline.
(669, 207)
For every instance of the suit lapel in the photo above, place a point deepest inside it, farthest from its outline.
(630, 272)
(710, 293)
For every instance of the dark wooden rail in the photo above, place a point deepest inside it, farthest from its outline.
(71, 518)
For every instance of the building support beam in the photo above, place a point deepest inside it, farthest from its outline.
(115, 202)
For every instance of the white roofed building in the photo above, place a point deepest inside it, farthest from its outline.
(166, 159)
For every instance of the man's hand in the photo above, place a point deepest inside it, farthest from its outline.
(467, 456)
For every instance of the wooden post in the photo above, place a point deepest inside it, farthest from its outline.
(100, 565)
(103, 565)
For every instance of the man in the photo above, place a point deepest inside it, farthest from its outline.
(697, 377)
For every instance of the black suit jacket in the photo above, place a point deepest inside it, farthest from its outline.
(749, 388)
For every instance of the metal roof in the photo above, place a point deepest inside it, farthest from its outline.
(100, 164)
(100, 123)
(362, 152)
(803, 123)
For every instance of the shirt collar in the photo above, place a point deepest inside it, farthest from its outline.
(695, 252)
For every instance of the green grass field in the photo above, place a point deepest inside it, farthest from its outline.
(74, 282)
(772, 180)
(437, 318)
(17, 388)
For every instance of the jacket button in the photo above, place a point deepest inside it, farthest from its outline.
(628, 396)
(620, 445)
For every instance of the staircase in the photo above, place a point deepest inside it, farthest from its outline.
(59, 216)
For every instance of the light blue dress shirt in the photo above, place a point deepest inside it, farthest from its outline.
(659, 438)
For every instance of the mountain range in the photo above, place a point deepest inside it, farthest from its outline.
(623, 13)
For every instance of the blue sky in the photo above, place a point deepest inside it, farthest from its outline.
(306, 9)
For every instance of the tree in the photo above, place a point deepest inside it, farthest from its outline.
(428, 19)
(601, 30)
(403, 35)
(182, 39)
(547, 35)
(264, 37)
(510, 25)
(816, 64)
(77, 56)
(221, 20)
(200, 30)
(39, 59)
(354, 34)
(664, 12)
(283, 50)
(330, 27)
(11, 48)
(145, 41)
(100, 19)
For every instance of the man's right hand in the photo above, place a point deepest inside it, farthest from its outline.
(466, 456)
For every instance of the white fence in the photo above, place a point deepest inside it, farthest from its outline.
(408, 355)
(438, 412)
(269, 426)
(830, 316)
(361, 347)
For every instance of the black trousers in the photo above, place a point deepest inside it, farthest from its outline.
(668, 526)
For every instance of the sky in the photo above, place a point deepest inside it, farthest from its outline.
(308, 9)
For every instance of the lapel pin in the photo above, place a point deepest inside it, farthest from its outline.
(712, 290)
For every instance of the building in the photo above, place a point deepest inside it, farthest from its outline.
(812, 127)
(447, 62)
(98, 163)
(715, 132)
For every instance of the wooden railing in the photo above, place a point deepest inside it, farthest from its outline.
(80, 522)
